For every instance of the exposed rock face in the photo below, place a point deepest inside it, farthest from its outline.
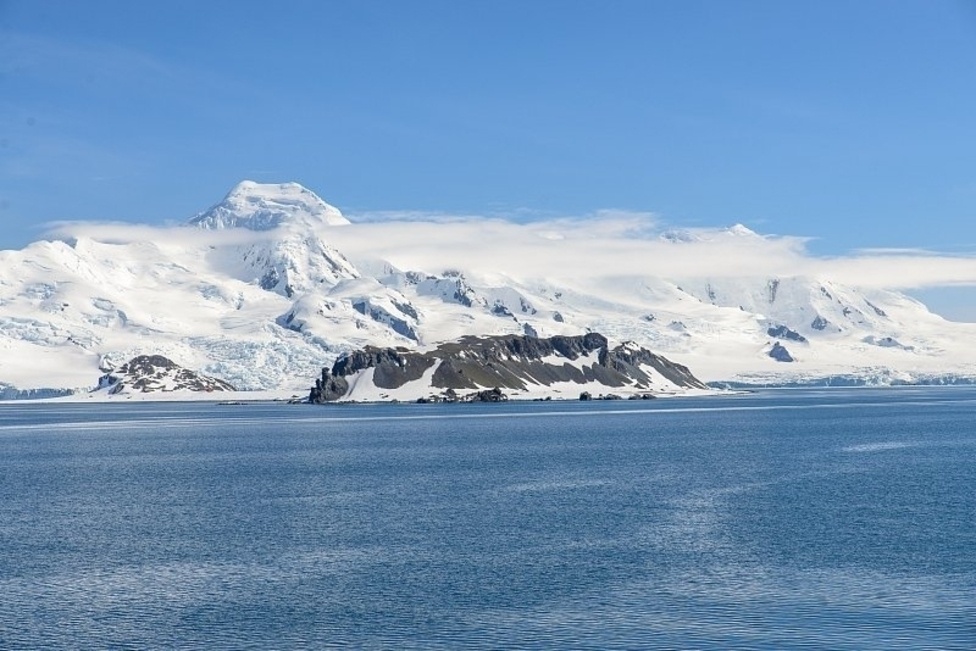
(393, 368)
(489, 395)
(628, 358)
(782, 332)
(450, 395)
(147, 373)
(509, 362)
(780, 353)
(378, 314)
(819, 323)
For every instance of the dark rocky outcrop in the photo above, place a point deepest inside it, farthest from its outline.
(148, 373)
(501, 310)
(506, 362)
(382, 316)
(782, 332)
(450, 395)
(487, 395)
(628, 359)
(328, 389)
(780, 353)
(877, 310)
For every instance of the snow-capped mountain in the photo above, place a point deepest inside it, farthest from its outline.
(266, 206)
(297, 259)
(272, 284)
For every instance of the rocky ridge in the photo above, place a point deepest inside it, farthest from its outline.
(514, 363)
(150, 373)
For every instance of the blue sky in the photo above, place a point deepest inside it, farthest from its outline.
(848, 122)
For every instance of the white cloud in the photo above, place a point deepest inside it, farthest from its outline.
(900, 271)
(606, 244)
(620, 243)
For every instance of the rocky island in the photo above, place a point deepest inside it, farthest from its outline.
(492, 368)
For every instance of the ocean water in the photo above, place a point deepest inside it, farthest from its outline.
(830, 519)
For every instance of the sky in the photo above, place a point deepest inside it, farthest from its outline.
(847, 125)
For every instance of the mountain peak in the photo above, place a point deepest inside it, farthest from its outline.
(265, 206)
(741, 231)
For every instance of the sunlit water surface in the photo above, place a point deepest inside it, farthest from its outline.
(781, 520)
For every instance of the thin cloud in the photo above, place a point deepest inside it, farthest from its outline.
(389, 216)
(908, 271)
(181, 236)
(895, 251)
(81, 62)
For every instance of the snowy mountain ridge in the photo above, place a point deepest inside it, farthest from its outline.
(268, 311)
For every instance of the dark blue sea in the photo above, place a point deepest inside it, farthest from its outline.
(804, 519)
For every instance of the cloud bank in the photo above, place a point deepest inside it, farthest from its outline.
(619, 243)
(606, 244)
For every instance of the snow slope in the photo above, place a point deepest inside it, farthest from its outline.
(272, 284)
